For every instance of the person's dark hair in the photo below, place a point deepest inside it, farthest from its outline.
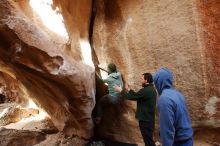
(148, 77)
(112, 68)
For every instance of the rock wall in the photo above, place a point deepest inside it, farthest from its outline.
(139, 36)
(10, 137)
(76, 15)
(210, 35)
(47, 69)
(142, 36)
(9, 87)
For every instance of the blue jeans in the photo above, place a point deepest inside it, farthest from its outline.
(188, 142)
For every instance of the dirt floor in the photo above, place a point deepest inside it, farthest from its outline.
(204, 136)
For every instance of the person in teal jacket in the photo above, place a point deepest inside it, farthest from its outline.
(114, 78)
(146, 103)
(175, 123)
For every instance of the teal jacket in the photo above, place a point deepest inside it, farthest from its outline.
(112, 80)
(146, 102)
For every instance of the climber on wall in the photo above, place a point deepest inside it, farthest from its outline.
(146, 103)
(114, 78)
(175, 123)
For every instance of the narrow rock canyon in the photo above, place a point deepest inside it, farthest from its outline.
(50, 50)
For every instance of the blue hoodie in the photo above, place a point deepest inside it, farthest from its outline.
(175, 123)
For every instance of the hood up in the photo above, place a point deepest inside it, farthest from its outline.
(163, 78)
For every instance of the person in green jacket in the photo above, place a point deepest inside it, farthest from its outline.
(146, 103)
(114, 78)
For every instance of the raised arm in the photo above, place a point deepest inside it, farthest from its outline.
(131, 95)
(103, 69)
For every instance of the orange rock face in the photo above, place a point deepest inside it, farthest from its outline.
(209, 14)
(142, 36)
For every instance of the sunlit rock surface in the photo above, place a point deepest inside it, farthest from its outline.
(46, 67)
(76, 15)
(15, 114)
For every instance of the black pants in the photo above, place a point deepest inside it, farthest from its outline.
(147, 129)
(104, 102)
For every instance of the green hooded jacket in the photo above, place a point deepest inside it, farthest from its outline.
(146, 102)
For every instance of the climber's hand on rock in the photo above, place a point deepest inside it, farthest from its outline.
(127, 87)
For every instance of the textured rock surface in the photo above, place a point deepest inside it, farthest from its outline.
(45, 126)
(142, 36)
(76, 15)
(46, 68)
(60, 140)
(10, 88)
(209, 12)
(201, 138)
(138, 36)
(10, 137)
(15, 114)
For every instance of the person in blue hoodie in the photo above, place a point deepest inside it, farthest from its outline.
(175, 123)
(114, 78)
